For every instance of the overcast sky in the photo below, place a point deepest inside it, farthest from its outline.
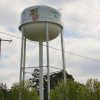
(81, 20)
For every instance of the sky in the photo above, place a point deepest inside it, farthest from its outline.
(81, 21)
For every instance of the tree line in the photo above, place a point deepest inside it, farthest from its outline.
(60, 90)
(72, 90)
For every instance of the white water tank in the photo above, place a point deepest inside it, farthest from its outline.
(34, 19)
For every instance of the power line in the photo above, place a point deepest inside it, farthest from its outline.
(82, 56)
(10, 35)
(56, 48)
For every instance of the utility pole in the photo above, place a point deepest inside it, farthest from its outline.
(0, 43)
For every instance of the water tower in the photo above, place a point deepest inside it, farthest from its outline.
(42, 24)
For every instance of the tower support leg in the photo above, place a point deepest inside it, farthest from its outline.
(63, 62)
(21, 66)
(22, 63)
(63, 56)
(48, 70)
(24, 59)
(41, 89)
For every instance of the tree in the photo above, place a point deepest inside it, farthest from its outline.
(1, 95)
(93, 86)
(3, 91)
(28, 93)
(69, 90)
(76, 91)
(55, 78)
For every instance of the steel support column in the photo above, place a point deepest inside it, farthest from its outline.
(63, 56)
(24, 59)
(22, 63)
(48, 69)
(41, 83)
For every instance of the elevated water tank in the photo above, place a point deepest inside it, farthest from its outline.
(34, 19)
